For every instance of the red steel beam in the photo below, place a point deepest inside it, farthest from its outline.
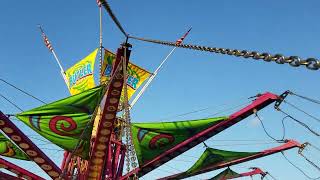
(33, 152)
(259, 103)
(288, 145)
(18, 170)
(99, 152)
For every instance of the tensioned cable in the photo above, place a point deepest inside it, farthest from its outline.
(113, 17)
(227, 109)
(195, 111)
(315, 147)
(264, 129)
(240, 140)
(298, 168)
(178, 170)
(11, 102)
(306, 98)
(271, 176)
(24, 92)
(173, 168)
(312, 163)
(31, 136)
(164, 170)
(295, 61)
(299, 122)
(244, 144)
(181, 160)
(219, 111)
(297, 108)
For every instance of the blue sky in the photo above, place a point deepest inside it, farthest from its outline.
(191, 80)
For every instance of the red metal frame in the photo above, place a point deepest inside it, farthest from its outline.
(288, 145)
(255, 171)
(18, 170)
(34, 153)
(259, 103)
(121, 163)
(65, 156)
(5, 176)
(115, 158)
(101, 152)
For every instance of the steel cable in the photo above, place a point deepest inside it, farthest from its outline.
(28, 94)
(312, 163)
(298, 168)
(266, 132)
(315, 147)
(11, 102)
(299, 122)
(271, 176)
(306, 98)
(297, 108)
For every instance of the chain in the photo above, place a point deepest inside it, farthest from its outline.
(294, 61)
(130, 154)
(125, 114)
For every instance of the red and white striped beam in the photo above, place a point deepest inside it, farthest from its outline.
(18, 170)
(99, 152)
(33, 152)
(288, 145)
(259, 103)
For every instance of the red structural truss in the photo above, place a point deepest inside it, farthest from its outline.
(102, 157)
(20, 172)
(259, 103)
(34, 153)
(288, 145)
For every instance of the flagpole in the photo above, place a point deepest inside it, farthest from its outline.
(49, 46)
(143, 89)
(63, 74)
